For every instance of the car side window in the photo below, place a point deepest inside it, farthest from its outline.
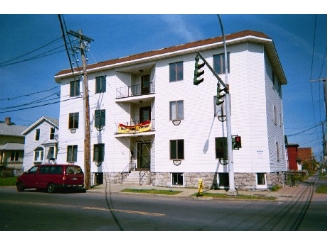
(33, 169)
(73, 170)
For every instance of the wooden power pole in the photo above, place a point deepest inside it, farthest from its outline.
(87, 150)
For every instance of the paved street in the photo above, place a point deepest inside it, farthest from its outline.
(296, 208)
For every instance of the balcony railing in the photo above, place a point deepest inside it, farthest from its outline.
(135, 90)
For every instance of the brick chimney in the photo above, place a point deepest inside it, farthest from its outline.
(8, 121)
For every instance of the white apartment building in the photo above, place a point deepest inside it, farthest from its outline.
(149, 120)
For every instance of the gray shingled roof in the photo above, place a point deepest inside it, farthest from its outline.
(12, 146)
(11, 130)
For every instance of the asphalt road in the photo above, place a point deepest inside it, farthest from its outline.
(39, 211)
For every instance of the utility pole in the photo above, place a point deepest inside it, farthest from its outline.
(324, 140)
(87, 158)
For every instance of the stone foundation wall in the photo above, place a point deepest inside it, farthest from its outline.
(243, 181)
(115, 178)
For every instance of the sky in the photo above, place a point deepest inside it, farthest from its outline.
(32, 51)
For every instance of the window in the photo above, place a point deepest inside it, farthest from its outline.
(177, 149)
(176, 71)
(33, 169)
(51, 169)
(221, 150)
(14, 156)
(74, 170)
(278, 155)
(74, 88)
(273, 78)
(73, 121)
(223, 179)
(100, 84)
(219, 63)
(275, 115)
(177, 178)
(51, 153)
(98, 152)
(100, 118)
(52, 133)
(261, 179)
(71, 153)
(37, 134)
(38, 154)
(176, 110)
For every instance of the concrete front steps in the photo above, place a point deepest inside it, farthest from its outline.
(138, 178)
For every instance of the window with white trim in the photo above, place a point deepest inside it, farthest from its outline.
(219, 63)
(74, 88)
(37, 135)
(177, 149)
(176, 110)
(71, 153)
(38, 154)
(98, 152)
(177, 178)
(73, 121)
(176, 71)
(100, 84)
(261, 179)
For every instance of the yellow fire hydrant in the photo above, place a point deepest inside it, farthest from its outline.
(200, 187)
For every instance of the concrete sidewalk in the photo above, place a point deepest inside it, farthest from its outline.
(286, 193)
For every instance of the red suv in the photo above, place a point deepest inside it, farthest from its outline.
(51, 177)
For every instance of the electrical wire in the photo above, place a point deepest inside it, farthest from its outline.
(9, 62)
(301, 132)
(30, 94)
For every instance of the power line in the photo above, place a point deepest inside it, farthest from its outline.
(48, 98)
(2, 63)
(37, 106)
(26, 95)
(290, 135)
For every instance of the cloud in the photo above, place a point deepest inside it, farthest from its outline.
(181, 27)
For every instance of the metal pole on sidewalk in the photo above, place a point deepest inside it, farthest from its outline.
(232, 191)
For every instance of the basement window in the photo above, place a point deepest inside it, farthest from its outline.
(261, 180)
(177, 178)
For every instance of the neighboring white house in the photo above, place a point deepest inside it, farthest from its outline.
(11, 148)
(179, 139)
(40, 142)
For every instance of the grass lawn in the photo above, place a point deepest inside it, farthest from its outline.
(11, 181)
(239, 196)
(321, 189)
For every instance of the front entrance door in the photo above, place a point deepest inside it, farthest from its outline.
(143, 156)
(145, 84)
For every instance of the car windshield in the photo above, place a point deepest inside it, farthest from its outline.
(73, 170)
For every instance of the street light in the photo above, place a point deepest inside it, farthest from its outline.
(232, 191)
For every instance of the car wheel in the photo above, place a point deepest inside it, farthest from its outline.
(51, 188)
(20, 186)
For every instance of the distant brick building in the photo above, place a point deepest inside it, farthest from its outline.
(305, 154)
(293, 153)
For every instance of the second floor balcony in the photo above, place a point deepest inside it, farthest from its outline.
(141, 89)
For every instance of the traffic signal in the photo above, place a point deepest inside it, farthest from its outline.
(220, 95)
(237, 142)
(198, 72)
